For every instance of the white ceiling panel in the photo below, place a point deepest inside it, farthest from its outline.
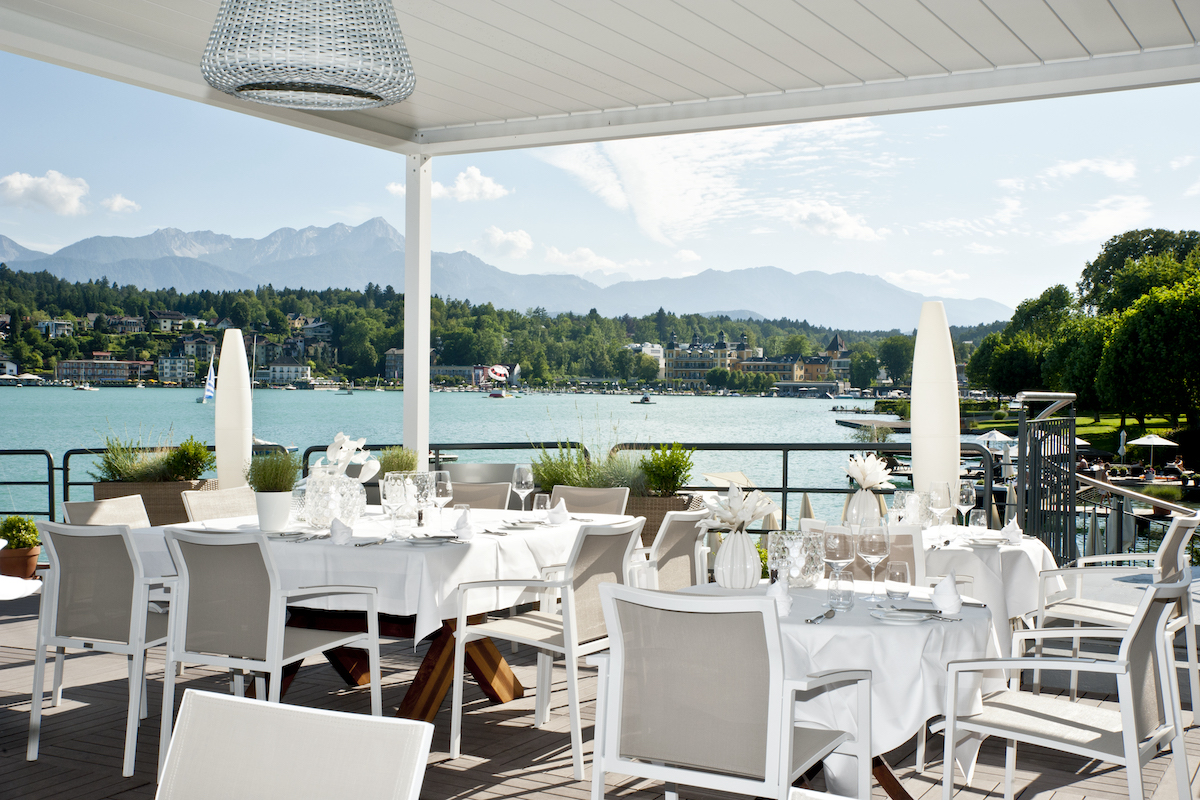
(496, 74)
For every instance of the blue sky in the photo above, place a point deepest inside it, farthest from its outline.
(998, 201)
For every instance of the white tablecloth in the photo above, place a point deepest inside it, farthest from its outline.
(412, 580)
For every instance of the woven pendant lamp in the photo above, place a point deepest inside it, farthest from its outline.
(321, 54)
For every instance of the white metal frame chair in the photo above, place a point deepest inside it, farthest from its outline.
(220, 503)
(676, 557)
(601, 555)
(1148, 715)
(229, 610)
(582, 500)
(657, 719)
(1073, 605)
(96, 598)
(128, 510)
(481, 495)
(483, 473)
(230, 747)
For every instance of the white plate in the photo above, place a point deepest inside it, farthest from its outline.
(901, 617)
(521, 526)
(431, 541)
(986, 542)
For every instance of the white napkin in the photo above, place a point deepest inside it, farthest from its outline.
(558, 515)
(340, 532)
(783, 600)
(462, 529)
(946, 597)
(1011, 532)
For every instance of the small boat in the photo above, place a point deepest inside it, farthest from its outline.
(499, 394)
(645, 401)
(210, 385)
(377, 388)
(140, 385)
(86, 387)
(348, 390)
(289, 388)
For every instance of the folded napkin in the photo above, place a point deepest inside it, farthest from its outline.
(945, 596)
(462, 529)
(1011, 532)
(340, 532)
(558, 515)
(783, 601)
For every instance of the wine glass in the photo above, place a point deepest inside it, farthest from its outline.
(443, 491)
(899, 506)
(522, 481)
(839, 553)
(873, 547)
(391, 497)
(939, 499)
(541, 506)
(966, 499)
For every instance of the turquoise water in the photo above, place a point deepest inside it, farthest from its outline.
(58, 419)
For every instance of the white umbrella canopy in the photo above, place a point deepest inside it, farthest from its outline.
(995, 436)
(1153, 440)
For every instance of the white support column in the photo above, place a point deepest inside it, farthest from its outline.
(416, 307)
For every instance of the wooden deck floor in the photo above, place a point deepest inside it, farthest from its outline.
(82, 740)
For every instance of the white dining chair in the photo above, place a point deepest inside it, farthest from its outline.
(677, 556)
(220, 503)
(658, 717)
(128, 510)
(481, 495)
(225, 747)
(583, 500)
(229, 610)
(1147, 717)
(483, 473)
(95, 598)
(600, 554)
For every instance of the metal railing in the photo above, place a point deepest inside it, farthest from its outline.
(1112, 525)
(438, 449)
(1045, 472)
(48, 482)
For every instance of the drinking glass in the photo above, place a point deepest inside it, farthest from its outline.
(839, 549)
(392, 497)
(900, 505)
(873, 547)
(966, 499)
(443, 490)
(939, 499)
(522, 481)
(896, 581)
(841, 591)
(541, 505)
(977, 522)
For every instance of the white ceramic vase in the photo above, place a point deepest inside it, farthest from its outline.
(863, 508)
(273, 510)
(737, 565)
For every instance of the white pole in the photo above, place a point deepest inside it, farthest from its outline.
(234, 412)
(934, 409)
(417, 290)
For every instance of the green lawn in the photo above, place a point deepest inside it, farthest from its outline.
(1105, 434)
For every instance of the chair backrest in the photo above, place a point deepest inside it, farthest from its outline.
(226, 581)
(128, 510)
(1144, 647)
(676, 550)
(95, 573)
(1172, 551)
(581, 500)
(219, 504)
(225, 746)
(482, 495)
(483, 473)
(664, 649)
(599, 556)
(807, 524)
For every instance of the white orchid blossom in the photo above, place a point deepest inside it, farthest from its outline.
(346, 451)
(737, 510)
(869, 472)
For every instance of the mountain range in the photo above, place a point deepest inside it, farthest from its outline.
(373, 252)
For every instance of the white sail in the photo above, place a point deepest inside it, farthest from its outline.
(210, 384)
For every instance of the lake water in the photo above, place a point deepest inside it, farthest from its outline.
(58, 419)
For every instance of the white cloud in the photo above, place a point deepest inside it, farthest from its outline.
(1192, 190)
(54, 191)
(1010, 209)
(118, 203)
(1105, 219)
(822, 217)
(1181, 161)
(593, 169)
(920, 280)
(687, 255)
(1116, 170)
(984, 249)
(515, 244)
(997, 223)
(1013, 184)
(581, 259)
(396, 189)
(939, 252)
(470, 184)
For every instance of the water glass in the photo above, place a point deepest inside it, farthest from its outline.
(896, 581)
(841, 591)
(977, 522)
(541, 505)
(391, 497)
(899, 506)
(839, 548)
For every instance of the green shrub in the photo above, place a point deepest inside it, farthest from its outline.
(1172, 494)
(190, 460)
(21, 532)
(273, 472)
(396, 459)
(566, 466)
(1001, 414)
(667, 469)
(903, 409)
(125, 461)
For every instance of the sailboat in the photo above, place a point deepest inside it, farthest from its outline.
(210, 385)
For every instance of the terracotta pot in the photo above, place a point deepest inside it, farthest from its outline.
(19, 563)
(163, 499)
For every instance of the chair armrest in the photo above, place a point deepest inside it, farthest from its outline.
(1075, 664)
(1070, 633)
(597, 659)
(304, 592)
(815, 680)
(1081, 572)
(546, 572)
(1097, 559)
(644, 552)
(166, 581)
(532, 583)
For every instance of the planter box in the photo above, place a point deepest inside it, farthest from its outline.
(19, 563)
(655, 508)
(163, 499)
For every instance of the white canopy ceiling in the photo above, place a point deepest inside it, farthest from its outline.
(496, 74)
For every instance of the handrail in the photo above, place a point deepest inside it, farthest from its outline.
(95, 451)
(48, 483)
(438, 449)
(1121, 491)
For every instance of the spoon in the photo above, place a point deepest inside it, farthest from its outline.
(821, 618)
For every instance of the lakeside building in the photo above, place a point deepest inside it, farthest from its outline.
(176, 368)
(199, 346)
(8, 366)
(262, 351)
(655, 351)
(839, 357)
(172, 321)
(54, 328)
(288, 370)
(102, 367)
(816, 368)
(686, 367)
(318, 329)
(780, 368)
(468, 375)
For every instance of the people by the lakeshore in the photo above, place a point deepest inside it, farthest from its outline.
(1082, 466)
(1149, 474)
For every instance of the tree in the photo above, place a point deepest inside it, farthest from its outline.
(1041, 317)
(863, 369)
(981, 360)
(645, 368)
(101, 324)
(1072, 361)
(1095, 281)
(717, 377)
(896, 355)
(1015, 366)
(797, 345)
(1139, 276)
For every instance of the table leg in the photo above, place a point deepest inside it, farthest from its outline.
(436, 674)
(887, 779)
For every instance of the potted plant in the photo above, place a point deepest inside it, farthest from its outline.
(391, 459)
(272, 476)
(19, 558)
(159, 474)
(666, 471)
